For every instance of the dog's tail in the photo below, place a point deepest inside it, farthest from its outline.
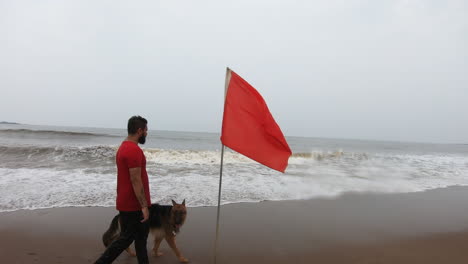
(112, 233)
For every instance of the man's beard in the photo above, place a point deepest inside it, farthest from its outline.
(142, 139)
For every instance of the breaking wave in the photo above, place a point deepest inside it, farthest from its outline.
(40, 156)
(57, 176)
(321, 155)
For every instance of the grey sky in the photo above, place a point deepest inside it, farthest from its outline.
(390, 70)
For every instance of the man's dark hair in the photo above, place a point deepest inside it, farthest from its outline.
(134, 123)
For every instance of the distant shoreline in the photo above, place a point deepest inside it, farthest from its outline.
(9, 123)
(217, 133)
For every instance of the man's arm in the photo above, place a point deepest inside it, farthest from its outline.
(135, 178)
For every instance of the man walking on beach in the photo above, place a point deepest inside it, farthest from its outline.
(133, 196)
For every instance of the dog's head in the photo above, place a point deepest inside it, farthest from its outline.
(178, 215)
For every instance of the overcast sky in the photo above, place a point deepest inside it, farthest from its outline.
(388, 70)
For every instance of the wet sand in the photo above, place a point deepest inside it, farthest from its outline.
(427, 227)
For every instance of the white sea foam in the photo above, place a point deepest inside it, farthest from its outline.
(193, 156)
(43, 167)
(194, 176)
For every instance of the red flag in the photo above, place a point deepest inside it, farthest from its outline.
(249, 128)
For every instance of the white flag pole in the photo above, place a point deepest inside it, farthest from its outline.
(228, 78)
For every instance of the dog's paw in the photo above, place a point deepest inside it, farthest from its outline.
(183, 260)
(157, 253)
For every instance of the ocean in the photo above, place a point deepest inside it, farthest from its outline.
(49, 166)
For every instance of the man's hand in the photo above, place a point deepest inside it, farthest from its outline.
(145, 212)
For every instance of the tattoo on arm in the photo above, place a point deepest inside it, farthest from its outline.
(142, 198)
(135, 177)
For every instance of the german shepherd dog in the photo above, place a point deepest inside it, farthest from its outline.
(165, 222)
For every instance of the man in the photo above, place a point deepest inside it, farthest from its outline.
(133, 196)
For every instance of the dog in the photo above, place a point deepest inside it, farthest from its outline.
(165, 222)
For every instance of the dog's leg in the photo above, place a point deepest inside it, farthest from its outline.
(157, 242)
(172, 243)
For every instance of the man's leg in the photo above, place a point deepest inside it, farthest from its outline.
(141, 237)
(127, 235)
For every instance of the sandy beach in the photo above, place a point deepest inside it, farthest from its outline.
(425, 227)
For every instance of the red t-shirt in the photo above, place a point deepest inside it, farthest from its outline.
(130, 156)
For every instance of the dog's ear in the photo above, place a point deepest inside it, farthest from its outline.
(183, 203)
(174, 203)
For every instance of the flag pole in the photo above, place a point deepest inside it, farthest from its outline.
(228, 78)
(219, 203)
